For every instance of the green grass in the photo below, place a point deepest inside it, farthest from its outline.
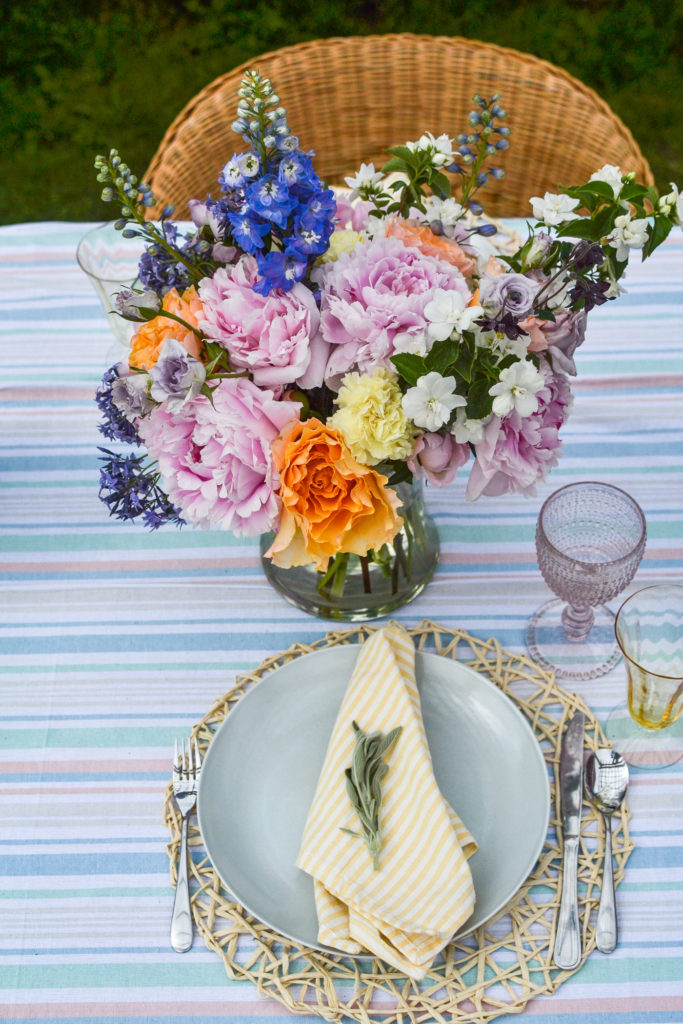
(79, 77)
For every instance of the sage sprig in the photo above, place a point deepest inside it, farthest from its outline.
(364, 784)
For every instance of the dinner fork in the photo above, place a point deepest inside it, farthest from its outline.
(186, 771)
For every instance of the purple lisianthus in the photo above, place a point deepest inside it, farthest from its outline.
(129, 393)
(373, 294)
(137, 306)
(438, 457)
(114, 425)
(559, 337)
(274, 336)
(516, 452)
(215, 457)
(176, 376)
(508, 293)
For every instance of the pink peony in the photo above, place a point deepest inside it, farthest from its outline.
(438, 457)
(374, 294)
(273, 336)
(516, 452)
(215, 459)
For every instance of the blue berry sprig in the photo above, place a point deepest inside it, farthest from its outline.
(166, 264)
(477, 146)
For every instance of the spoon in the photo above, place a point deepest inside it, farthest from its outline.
(606, 781)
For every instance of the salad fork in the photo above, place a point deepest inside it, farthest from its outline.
(186, 771)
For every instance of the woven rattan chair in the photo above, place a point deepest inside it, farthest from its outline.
(349, 99)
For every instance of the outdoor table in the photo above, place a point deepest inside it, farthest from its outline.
(116, 640)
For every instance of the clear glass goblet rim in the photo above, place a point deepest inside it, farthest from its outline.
(600, 486)
(124, 281)
(631, 597)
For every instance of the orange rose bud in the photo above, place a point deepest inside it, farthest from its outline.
(150, 338)
(421, 236)
(330, 502)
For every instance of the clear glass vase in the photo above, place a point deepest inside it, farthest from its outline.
(355, 589)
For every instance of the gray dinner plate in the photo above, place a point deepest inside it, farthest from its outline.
(263, 764)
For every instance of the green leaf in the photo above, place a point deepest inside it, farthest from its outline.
(441, 355)
(633, 191)
(656, 235)
(404, 153)
(544, 314)
(410, 366)
(479, 401)
(395, 164)
(440, 184)
(585, 228)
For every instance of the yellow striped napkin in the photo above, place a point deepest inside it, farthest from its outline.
(407, 911)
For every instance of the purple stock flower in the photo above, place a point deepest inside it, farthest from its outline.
(176, 376)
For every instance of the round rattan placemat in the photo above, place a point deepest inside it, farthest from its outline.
(496, 969)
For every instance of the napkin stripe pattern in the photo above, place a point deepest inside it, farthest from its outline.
(422, 893)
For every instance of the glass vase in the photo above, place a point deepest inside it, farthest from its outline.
(357, 589)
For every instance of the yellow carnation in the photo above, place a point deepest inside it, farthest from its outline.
(370, 418)
(340, 241)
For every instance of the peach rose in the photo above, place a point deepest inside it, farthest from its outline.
(420, 236)
(330, 502)
(537, 339)
(149, 340)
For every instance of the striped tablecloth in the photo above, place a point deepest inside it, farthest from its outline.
(115, 640)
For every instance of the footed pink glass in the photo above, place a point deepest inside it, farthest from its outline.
(590, 539)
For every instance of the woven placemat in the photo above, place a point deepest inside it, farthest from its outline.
(496, 969)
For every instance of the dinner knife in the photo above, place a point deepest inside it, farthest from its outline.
(567, 953)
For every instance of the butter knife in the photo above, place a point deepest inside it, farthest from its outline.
(567, 953)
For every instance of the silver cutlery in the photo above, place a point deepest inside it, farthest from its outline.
(567, 952)
(606, 782)
(186, 771)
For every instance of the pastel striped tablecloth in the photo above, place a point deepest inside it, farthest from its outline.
(115, 640)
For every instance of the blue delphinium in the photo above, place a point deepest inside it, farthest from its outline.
(130, 489)
(280, 211)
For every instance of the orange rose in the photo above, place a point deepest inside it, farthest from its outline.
(420, 236)
(149, 340)
(330, 502)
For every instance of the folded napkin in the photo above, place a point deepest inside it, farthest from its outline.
(406, 911)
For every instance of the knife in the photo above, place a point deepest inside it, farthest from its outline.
(567, 952)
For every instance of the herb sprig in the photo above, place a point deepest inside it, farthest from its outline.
(364, 784)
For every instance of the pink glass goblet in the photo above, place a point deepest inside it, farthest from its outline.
(590, 539)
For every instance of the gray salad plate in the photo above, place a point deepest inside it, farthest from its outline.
(262, 767)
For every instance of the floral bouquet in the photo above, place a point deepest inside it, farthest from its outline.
(301, 354)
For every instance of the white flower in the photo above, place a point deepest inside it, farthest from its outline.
(447, 312)
(441, 149)
(248, 164)
(671, 205)
(374, 225)
(430, 403)
(365, 179)
(517, 389)
(447, 211)
(418, 344)
(466, 431)
(611, 175)
(628, 234)
(500, 345)
(554, 209)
